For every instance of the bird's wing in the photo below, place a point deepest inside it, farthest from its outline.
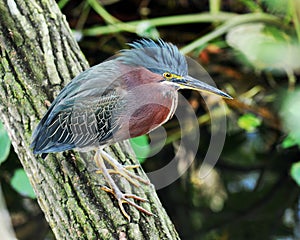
(82, 114)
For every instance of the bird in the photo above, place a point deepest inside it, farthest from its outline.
(126, 96)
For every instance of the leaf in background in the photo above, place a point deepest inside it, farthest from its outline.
(21, 184)
(140, 147)
(290, 116)
(277, 6)
(288, 142)
(295, 172)
(4, 144)
(266, 48)
(145, 29)
(249, 122)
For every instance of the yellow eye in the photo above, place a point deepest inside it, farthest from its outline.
(167, 75)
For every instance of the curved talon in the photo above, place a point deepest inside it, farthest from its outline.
(106, 189)
(127, 167)
(123, 198)
(132, 166)
(129, 195)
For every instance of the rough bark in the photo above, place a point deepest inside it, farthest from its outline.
(38, 57)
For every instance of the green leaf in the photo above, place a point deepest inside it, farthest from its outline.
(266, 48)
(249, 122)
(290, 117)
(4, 144)
(288, 142)
(295, 172)
(62, 3)
(21, 184)
(277, 6)
(140, 147)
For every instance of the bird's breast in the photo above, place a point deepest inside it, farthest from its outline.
(146, 109)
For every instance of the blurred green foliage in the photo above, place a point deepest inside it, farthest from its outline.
(4, 144)
(290, 115)
(141, 147)
(266, 47)
(21, 184)
(278, 6)
(295, 172)
(249, 122)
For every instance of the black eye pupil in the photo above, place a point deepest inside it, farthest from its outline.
(168, 74)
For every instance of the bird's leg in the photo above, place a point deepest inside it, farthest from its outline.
(121, 197)
(118, 168)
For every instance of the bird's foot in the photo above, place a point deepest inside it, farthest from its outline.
(123, 171)
(125, 198)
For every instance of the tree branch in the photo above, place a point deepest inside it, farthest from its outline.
(38, 57)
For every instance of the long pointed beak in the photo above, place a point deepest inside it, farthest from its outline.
(194, 84)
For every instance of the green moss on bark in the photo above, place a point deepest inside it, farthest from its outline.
(38, 57)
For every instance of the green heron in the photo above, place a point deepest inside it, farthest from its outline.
(125, 97)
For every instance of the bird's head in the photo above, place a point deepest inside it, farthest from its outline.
(166, 60)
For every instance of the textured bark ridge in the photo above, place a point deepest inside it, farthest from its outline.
(38, 57)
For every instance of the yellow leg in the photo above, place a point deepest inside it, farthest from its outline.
(123, 170)
(113, 188)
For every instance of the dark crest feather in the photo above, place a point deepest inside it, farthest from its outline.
(157, 56)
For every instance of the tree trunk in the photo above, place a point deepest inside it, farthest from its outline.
(38, 57)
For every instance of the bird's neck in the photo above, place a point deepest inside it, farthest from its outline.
(136, 76)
